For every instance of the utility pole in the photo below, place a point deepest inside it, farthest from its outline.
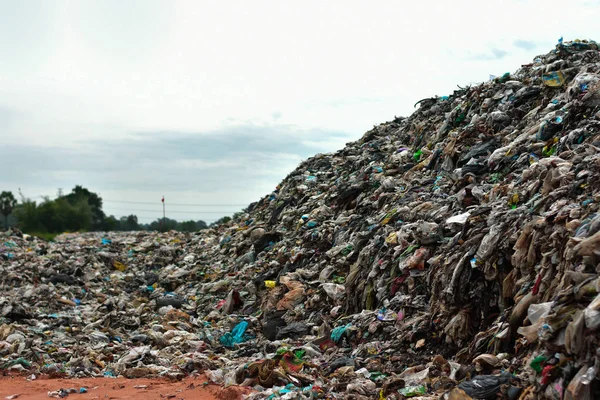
(163, 224)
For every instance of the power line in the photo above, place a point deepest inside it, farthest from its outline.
(159, 217)
(223, 213)
(174, 204)
(167, 203)
(174, 212)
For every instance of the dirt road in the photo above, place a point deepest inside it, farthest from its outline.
(119, 388)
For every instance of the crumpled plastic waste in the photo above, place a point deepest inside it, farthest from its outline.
(485, 386)
(338, 332)
(469, 229)
(236, 336)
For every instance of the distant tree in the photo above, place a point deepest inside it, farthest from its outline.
(201, 225)
(60, 215)
(28, 215)
(79, 210)
(7, 205)
(129, 223)
(161, 225)
(222, 220)
(132, 222)
(111, 224)
(168, 224)
(187, 226)
(79, 216)
(93, 199)
(155, 225)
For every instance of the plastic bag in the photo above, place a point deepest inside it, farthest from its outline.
(417, 260)
(554, 79)
(361, 386)
(574, 333)
(392, 238)
(589, 246)
(414, 378)
(537, 363)
(458, 394)
(459, 219)
(338, 332)
(489, 243)
(293, 330)
(412, 391)
(119, 266)
(486, 361)
(484, 386)
(520, 310)
(592, 314)
(216, 376)
(530, 332)
(458, 327)
(580, 386)
(236, 336)
(270, 284)
(294, 296)
(535, 312)
(334, 291)
(291, 299)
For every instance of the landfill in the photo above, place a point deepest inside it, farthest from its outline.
(453, 254)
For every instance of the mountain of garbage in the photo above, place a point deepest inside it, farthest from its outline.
(452, 254)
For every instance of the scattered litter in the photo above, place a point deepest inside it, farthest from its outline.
(451, 253)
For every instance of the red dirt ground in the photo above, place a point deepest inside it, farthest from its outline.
(118, 388)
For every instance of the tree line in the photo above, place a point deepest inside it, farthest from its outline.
(80, 210)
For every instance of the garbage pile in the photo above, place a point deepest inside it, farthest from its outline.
(451, 254)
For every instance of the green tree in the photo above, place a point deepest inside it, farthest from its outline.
(54, 216)
(7, 205)
(48, 217)
(72, 212)
(222, 220)
(111, 224)
(132, 222)
(161, 225)
(155, 225)
(187, 226)
(168, 224)
(79, 216)
(201, 225)
(129, 223)
(78, 194)
(27, 215)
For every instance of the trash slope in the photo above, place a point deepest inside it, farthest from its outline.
(451, 252)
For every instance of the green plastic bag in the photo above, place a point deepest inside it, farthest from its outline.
(412, 391)
(417, 155)
(537, 363)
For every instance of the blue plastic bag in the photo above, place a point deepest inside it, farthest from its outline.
(338, 332)
(230, 339)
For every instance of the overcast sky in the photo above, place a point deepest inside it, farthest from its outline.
(213, 103)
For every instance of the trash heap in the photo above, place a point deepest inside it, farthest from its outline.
(451, 254)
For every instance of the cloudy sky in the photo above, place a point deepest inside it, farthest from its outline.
(213, 103)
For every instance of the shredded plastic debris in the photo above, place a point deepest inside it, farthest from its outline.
(451, 253)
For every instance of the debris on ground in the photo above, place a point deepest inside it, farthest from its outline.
(452, 253)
